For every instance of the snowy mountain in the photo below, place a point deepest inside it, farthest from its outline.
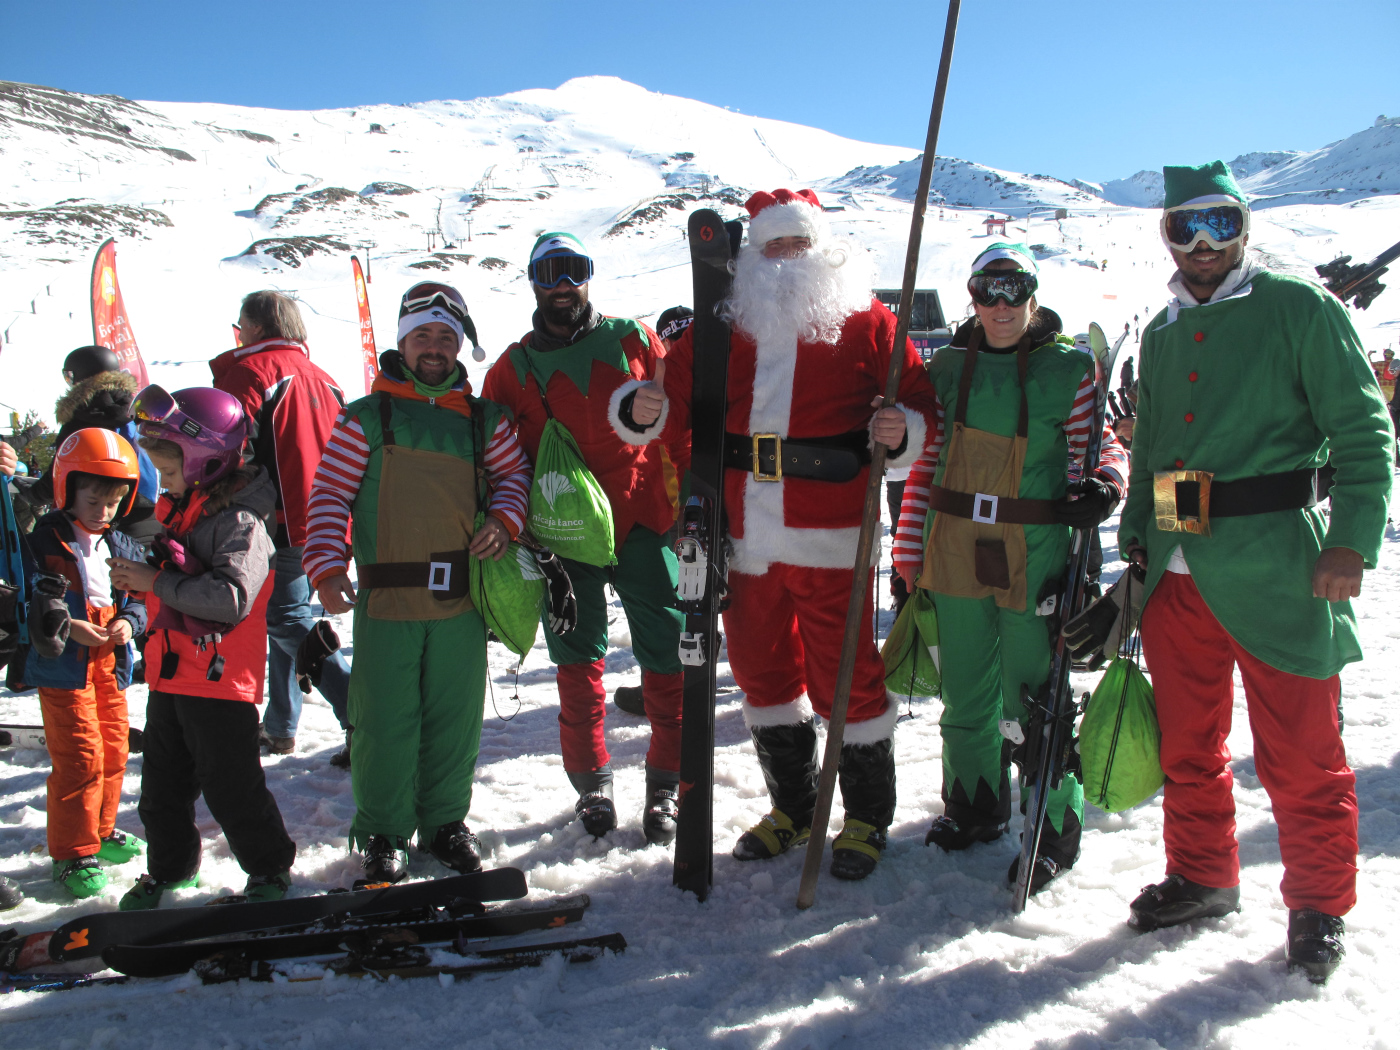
(209, 202)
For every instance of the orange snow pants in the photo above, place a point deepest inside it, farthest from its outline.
(86, 730)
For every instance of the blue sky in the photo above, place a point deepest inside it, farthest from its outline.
(1074, 88)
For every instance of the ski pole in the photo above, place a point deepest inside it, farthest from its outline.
(845, 671)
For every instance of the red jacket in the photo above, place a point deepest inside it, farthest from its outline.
(292, 406)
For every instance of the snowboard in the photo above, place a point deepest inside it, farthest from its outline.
(383, 961)
(32, 737)
(700, 552)
(423, 927)
(1050, 713)
(89, 935)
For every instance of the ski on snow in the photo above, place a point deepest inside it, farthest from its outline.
(88, 935)
(422, 927)
(32, 737)
(700, 551)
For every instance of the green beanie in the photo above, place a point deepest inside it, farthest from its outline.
(1202, 183)
(1017, 253)
(557, 243)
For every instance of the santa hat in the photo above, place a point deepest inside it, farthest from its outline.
(1204, 184)
(784, 213)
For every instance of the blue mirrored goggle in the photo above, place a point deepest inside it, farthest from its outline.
(1219, 225)
(550, 270)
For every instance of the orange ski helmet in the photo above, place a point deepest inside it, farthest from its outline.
(99, 452)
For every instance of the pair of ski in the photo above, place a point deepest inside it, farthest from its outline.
(34, 738)
(172, 940)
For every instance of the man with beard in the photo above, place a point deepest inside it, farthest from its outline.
(809, 355)
(409, 464)
(575, 366)
(1248, 379)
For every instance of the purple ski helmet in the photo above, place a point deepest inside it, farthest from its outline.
(207, 424)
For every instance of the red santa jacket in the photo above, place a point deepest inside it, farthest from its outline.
(585, 383)
(802, 390)
(292, 406)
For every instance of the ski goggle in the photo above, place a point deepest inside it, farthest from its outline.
(549, 271)
(1013, 286)
(154, 405)
(1218, 225)
(436, 297)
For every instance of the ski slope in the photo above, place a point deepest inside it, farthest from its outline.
(926, 952)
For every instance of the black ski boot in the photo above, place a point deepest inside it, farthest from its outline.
(595, 803)
(948, 835)
(788, 757)
(1056, 854)
(456, 846)
(1315, 943)
(628, 699)
(1176, 899)
(10, 895)
(386, 859)
(663, 805)
(866, 773)
(341, 759)
(1044, 869)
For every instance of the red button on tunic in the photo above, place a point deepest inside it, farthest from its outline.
(1190, 417)
(1180, 463)
(1200, 337)
(1192, 377)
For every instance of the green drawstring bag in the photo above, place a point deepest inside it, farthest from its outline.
(910, 651)
(1119, 740)
(569, 511)
(508, 594)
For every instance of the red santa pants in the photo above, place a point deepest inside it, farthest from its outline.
(784, 631)
(86, 733)
(1298, 755)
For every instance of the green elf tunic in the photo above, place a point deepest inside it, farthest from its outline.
(1269, 378)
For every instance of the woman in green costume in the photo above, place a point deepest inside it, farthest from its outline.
(1002, 475)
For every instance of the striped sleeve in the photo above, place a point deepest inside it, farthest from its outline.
(509, 473)
(333, 491)
(1113, 457)
(908, 552)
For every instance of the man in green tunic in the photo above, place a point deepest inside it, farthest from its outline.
(1249, 381)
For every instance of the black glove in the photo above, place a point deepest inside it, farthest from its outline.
(320, 642)
(562, 609)
(1099, 631)
(1096, 501)
(49, 621)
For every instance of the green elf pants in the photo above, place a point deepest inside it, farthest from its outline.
(645, 579)
(987, 653)
(417, 696)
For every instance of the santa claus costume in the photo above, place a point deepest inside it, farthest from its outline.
(809, 355)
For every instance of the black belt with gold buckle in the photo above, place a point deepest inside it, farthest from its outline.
(1187, 500)
(769, 457)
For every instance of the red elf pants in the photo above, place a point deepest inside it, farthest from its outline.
(1298, 755)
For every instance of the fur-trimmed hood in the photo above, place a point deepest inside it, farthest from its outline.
(103, 400)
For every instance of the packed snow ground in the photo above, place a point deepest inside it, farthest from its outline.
(925, 953)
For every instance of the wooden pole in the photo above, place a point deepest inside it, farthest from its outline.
(855, 622)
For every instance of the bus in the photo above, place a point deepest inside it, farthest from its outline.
(927, 328)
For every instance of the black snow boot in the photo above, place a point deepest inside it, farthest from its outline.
(663, 805)
(1044, 869)
(1315, 943)
(595, 803)
(949, 835)
(1176, 899)
(787, 754)
(866, 774)
(341, 759)
(456, 846)
(10, 895)
(386, 859)
(628, 699)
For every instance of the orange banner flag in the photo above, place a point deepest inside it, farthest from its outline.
(369, 358)
(110, 327)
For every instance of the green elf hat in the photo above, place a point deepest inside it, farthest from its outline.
(1211, 183)
(1017, 253)
(557, 243)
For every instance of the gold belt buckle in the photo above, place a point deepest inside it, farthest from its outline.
(758, 474)
(1164, 483)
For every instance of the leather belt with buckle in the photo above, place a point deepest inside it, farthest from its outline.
(987, 509)
(445, 574)
(769, 457)
(1187, 500)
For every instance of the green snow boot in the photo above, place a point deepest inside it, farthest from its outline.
(146, 894)
(82, 876)
(267, 887)
(119, 847)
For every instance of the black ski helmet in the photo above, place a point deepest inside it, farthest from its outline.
(88, 361)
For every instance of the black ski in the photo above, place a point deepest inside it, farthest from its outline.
(383, 961)
(160, 960)
(700, 551)
(87, 936)
(33, 737)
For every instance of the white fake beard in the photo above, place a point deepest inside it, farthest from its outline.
(808, 297)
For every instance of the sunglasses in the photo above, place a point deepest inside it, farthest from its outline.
(1013, 286)
(549, 271)
(434, 298)
(1218, 225)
